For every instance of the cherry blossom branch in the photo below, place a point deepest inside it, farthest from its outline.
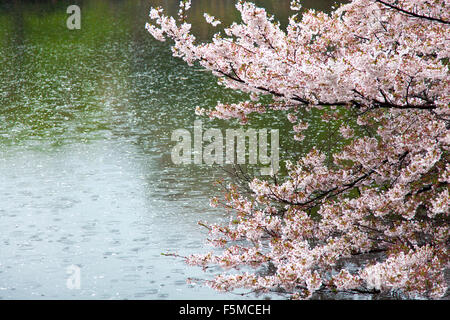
(386, 191)
(412, 13)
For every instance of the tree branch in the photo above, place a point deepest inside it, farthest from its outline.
(416, 15)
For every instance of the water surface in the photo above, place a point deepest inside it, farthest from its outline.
(85, 172)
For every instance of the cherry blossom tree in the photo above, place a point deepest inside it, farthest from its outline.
(385, 196)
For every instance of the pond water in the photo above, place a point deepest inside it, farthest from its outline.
(86, 177)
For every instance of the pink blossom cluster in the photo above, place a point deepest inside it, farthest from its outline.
(385, 196)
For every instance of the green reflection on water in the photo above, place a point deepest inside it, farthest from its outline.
(111, 79)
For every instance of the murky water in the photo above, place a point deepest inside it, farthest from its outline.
(86, 177)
